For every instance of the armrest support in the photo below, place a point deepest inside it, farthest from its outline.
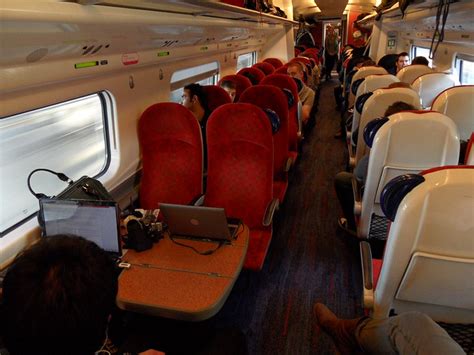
(367, 274)
(271, 208)
(199, 201)
(356, 189)
(289, 164)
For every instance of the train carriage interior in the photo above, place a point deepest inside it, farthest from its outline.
(336, 135)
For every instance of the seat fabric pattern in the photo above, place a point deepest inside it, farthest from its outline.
(286, 82)
(253, 74)
(216, 96)
(269, 96)
(171, 145)
(277, 63)
(267, 68)
(241, 83)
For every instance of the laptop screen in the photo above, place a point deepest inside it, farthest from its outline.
(96, 221)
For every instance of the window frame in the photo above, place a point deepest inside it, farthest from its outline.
(413, 54)
(107, 110)
(459, 58)
(253, 60)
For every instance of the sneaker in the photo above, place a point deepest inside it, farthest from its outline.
(342, 223)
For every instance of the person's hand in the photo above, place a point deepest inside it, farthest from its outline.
(152, 352)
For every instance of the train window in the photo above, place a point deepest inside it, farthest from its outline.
(421, 52)
(246, 60)
(206, 74)
(69, 137)
(464, 66)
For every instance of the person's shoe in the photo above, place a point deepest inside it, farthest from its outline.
(342, 331)
(342, 223)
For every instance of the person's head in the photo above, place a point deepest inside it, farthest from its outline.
(368, 63)
(402, 60)
(57, 298)
(329, 29)
(230, 87)
(296, 70)
(420, 60)
(194, 98)
(398, 107)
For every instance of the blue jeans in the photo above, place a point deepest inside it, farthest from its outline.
(407, 333)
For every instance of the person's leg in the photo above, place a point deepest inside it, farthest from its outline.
(407, 333)
(343, 186)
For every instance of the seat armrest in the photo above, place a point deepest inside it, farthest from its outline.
(271, 208)
(367, 274)
(199, 201)
(356, 189)
(289, 164)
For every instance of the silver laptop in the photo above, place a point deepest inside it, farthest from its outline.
(97, 221)
(199, 222)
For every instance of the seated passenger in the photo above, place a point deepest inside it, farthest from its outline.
(306, 94)
(58, 297)
(194, 99)
(407, 333)
(230, 87)
(403, 60)
(420, 60)
(343, 179)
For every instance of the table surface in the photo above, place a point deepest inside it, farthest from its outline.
(175, 282)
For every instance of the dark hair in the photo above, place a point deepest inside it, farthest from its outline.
(402, 54)
(57, 297)
(388, 62)
(228, 84)
(398, 107)
(197, 90)
(253, 79)
(368, 63)
(299, 84)
(420, 60)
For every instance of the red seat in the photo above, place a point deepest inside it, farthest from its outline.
(282, 70)
(277, 63)
(171, 145)
(216, 96)
(286, 82)
(267, 68)
(469, 157)
(253, 74)
(240, 172)
(241, 83)
(271, 97)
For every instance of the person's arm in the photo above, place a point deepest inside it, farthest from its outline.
(307, 106)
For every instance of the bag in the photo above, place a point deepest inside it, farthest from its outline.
(85, 188)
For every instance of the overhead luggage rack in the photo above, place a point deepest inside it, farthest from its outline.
(214, 9)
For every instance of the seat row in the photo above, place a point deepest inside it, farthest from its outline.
(247, 162)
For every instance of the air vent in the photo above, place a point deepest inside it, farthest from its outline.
(93, 49)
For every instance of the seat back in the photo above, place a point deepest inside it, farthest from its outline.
(273, 98)
(370, 84)
(253, 74)
(277, 63)
(286, 82)
(375, 107)
(429, 256)
(282, 70)
(411, 72)
(458, 104)
(408, 142)
(362, 73)
(430, 85)
(241, 83)
(216, 96)
(172, 156)
(240, 162)
(267, 68)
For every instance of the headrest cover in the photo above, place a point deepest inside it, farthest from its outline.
(355, 85)
(394, 192)
(290, 97)
(274, 119)
(359, 105)
(372, 128)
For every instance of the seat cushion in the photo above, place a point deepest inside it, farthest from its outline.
(293, 155)
(376, 268)
(258, 246)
